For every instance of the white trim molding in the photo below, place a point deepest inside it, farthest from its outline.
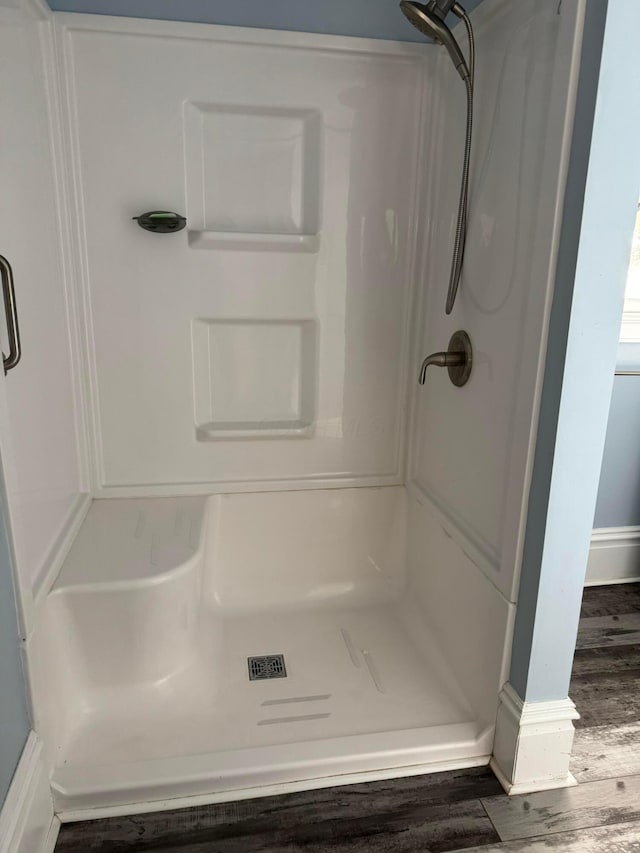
(61, 546)
(630, 329)
(533, 743)
(614, 556)
(27, 821)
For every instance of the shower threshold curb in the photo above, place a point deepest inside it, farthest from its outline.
(82, 793)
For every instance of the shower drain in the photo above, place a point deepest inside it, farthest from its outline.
(266, 666)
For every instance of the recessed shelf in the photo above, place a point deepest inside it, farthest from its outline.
(219, 430)
(254, 379)
(254, 242)
(253, 177)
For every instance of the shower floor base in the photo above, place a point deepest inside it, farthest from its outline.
(363, 694)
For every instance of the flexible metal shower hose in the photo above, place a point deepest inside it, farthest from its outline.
(461, 224)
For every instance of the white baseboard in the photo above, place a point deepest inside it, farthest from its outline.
(27, 821)
(614, 556)
(52, 836)
(533, 743)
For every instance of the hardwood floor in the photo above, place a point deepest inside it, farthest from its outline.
(454, 811)
(439, 812)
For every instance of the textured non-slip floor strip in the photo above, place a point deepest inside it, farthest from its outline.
(301, 718)
(295, 699)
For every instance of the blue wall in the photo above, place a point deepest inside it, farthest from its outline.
(619, 493)
(14, 720)
(368, 18)
(600, 206)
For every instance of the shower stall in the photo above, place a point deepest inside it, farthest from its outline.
(252, 552)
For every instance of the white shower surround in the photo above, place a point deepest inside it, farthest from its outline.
(329, 132)
(450, 585)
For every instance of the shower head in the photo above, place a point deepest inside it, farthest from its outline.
(429, 19)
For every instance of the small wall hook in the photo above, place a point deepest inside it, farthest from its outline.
(161, 221)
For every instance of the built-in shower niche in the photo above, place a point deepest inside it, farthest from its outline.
(253, 177)
(254, 378)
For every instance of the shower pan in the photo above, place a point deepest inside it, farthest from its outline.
(165, 657)
(267, 558)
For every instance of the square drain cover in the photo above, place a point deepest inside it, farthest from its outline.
(266, 666)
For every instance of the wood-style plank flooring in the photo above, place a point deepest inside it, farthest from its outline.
(453, 811)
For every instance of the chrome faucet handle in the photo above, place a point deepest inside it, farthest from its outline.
(458, 360)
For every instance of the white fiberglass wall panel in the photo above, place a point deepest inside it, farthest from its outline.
(472, 446)
(266, 343)
(38, 432)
